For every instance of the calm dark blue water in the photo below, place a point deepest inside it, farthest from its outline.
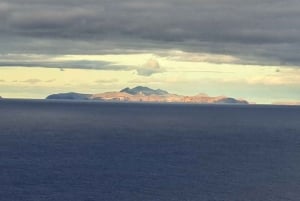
(68, 151)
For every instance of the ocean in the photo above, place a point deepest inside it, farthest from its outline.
(90, 151)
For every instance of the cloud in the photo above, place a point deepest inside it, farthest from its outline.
(179, 55)
(50, 19)
(289, 77)
(47, 61)
(106, 81)
(275, 80)
(64, 62)
(259, 32)
(4, 10)
(50, 81)
(32, 81)
(150, 67)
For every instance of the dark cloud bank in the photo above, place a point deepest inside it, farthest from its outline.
(257, 31)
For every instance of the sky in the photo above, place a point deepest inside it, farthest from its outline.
(243, 49)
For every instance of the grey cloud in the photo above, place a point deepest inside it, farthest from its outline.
(150, 67)
(4, 9)
(32, 81)
(36, 81)
(257, 31)
(22, 60)
(105, 81)
(48, 20)
(49, 81)
(80, 64)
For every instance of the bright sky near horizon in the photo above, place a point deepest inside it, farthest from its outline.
(247, 50)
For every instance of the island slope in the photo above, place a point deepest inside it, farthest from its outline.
(146, 94)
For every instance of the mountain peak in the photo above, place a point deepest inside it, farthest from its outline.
(144, 90)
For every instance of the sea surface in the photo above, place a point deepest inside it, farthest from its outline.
(89, 151)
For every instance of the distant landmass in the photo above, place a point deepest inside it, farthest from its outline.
(287, 103)
(146, 94)
(70, 96)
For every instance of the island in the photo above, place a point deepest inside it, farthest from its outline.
(146, 94)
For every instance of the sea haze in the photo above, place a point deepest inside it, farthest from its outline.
(85, 151)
